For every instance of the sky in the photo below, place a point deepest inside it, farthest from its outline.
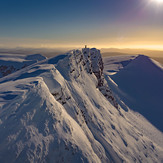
(74, 23)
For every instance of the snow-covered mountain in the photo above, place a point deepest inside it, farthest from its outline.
(62, 110)
(139, 84)
(10, 63)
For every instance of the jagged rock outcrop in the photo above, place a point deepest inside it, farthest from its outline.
(89, 60)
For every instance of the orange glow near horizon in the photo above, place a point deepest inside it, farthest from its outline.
(134, 42)
(135, 24)
(69, 46)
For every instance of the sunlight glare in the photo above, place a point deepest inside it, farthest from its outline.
(159, 1)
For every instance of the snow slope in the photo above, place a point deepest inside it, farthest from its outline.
(62, 110)
(115, 63)
(11, 63)
(140, 86)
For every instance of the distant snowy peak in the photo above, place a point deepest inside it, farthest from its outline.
(143, 65)
(35, 57)
(12, 63)
(145, 62)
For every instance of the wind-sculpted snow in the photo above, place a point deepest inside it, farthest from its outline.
(61, 114)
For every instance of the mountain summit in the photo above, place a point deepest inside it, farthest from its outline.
(62, 110)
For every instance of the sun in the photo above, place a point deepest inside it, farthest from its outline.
(159, 1)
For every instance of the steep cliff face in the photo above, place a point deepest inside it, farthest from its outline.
(89, 60)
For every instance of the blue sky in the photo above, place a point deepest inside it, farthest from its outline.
(102, 23)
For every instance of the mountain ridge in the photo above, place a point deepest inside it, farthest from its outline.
(61, 111)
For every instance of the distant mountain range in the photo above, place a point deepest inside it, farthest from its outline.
(10, 63)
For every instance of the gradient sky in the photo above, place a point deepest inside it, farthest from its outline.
(69, 23)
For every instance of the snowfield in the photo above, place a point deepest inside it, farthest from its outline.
(10, 63)
(63, 110)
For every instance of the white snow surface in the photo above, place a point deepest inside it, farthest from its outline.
(138, 89)
(61, 110)
(114, 64)
(140, 85)
(10, 63)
